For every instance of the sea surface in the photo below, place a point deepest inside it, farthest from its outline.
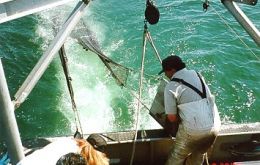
(211, 42)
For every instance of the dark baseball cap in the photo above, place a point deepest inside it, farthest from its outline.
(172, 62)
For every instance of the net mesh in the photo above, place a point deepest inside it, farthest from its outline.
(88, 41)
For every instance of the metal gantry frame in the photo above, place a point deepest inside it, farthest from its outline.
(8, 124)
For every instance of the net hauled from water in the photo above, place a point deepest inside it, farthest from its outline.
(88, 42)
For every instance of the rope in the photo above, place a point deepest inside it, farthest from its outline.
(206, 158)
(139, 98)
(233, 31)
(134, 95)
(64, 61)
(148, 35)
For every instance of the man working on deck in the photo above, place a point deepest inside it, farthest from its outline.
(190, 108)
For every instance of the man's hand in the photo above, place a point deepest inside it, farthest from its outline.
(173, 118)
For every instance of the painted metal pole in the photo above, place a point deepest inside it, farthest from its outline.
(243, 20)
(8, 126)
(48, 56)
(13, 9)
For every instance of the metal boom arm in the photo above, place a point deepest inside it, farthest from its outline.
(8, 125)
(12, 9)
(48, 56)
(243, 20)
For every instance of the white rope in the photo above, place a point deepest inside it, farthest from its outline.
(152, 44)
(206, 158)
(233, 31)
(139, 98)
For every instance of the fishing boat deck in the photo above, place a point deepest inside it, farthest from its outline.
(233, 144)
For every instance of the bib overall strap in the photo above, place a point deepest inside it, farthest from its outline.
(202, 94)
(203, 86)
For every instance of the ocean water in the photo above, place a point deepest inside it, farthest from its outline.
(211, 42)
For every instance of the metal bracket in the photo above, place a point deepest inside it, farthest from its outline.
(86, 1)
(248, 2)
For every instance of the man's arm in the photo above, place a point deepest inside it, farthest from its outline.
(170, 105)
(171, 124)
